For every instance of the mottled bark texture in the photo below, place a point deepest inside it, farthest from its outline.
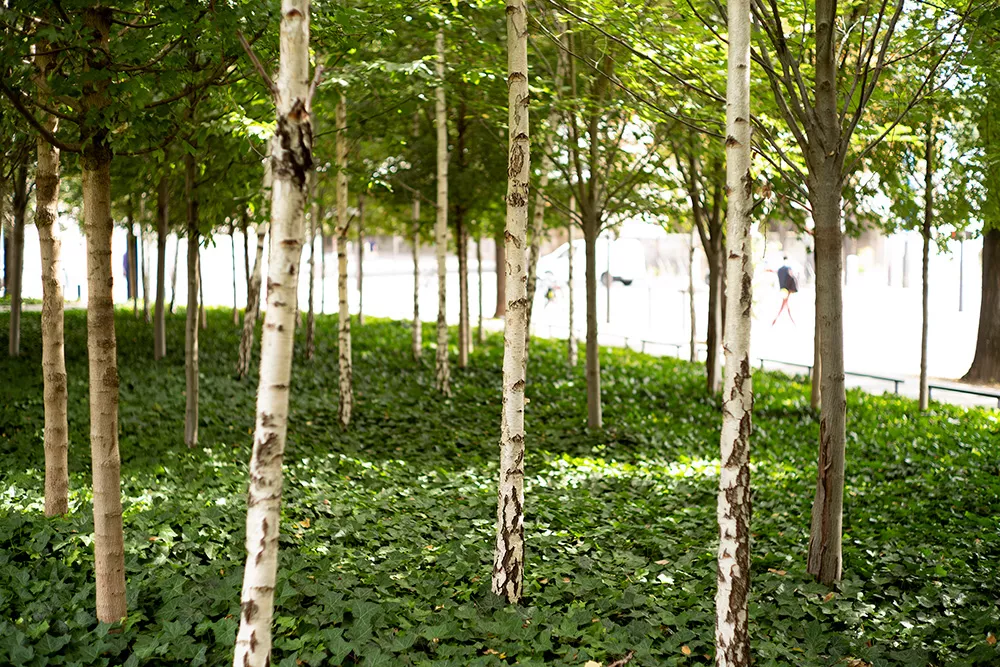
(508, 557)
(109, 539)
(441, 371)
(291, 166)
(346, 402)
(56, 439)
(193, 315)
(732, 637)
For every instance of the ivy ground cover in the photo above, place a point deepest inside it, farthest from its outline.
(388, 528)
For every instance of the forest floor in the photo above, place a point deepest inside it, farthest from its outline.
(388, 527)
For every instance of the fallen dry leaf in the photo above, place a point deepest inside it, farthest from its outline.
(686, 650)
(991, 639)
(829, 596)
(780, 573)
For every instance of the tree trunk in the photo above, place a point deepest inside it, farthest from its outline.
(827, 513)
(109, 538)
(713, 362)
(590, 231)
(56, 437)
(244, 227)
(361, 258)
(501, 262)
(173, 275)
(252, 311)
(292, 164)
(571, 345)
(144, 260)
(441, 371)
(508, 558)
(463, 290)
(986, 363)
(5, 233)
(130, 258)
(346, 403)
(691, 283)
(193, 311)
(202, 318)
(417, 326)
(925, 263)
(236, 305)
(20, 204)
(162, 218)
(322, 268)
(732, 637)
(480, 334)
(311, 317)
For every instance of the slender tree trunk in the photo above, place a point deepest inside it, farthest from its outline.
(441, 371)
(501, 262)
(346, 404)
(144, 259)
(713, 362)
(571, 344)
(361, 258)
(415, 244)
(691, 309)
(253, 309)
(827, 513)
(925, 286)
(322, 268)
(53, 357)
(463, 290)
(162, 219)
(292, 163)
(5, 232)
(173, 275)
(20, 205)
(480, 334)
(590, 230)
(244, 227)
(311, 318)
(109, 538)
(508, 558)
(732, 637)
(193, 312)
(130, 256)
(232, 243)
(986, 362)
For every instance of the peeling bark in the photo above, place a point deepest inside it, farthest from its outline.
(291, 166)
(508, 558)
(441, 370)
(346, 403)
(56, 438)
(732, 637)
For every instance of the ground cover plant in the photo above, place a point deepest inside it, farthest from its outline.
(388, 528)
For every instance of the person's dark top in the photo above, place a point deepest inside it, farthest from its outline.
(787, 280)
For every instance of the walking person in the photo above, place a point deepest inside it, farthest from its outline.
(789, 283)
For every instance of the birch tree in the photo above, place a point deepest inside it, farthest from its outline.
(417, 328)
(291, 166)
(193, 306)
(441, 370)
(346, 402)
(508, 558)
(732, 640)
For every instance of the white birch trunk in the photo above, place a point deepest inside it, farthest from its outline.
(441, 370)
(480, 334)
(173, 275)
(346, 403)
(508, 558)
(311, 317)
(732, 640)
(693, 343)
(232, 244)
(144, 259)
(291, 161)
(56, 439)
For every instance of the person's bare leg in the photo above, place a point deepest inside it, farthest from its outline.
(784, 304)
(788, 307)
